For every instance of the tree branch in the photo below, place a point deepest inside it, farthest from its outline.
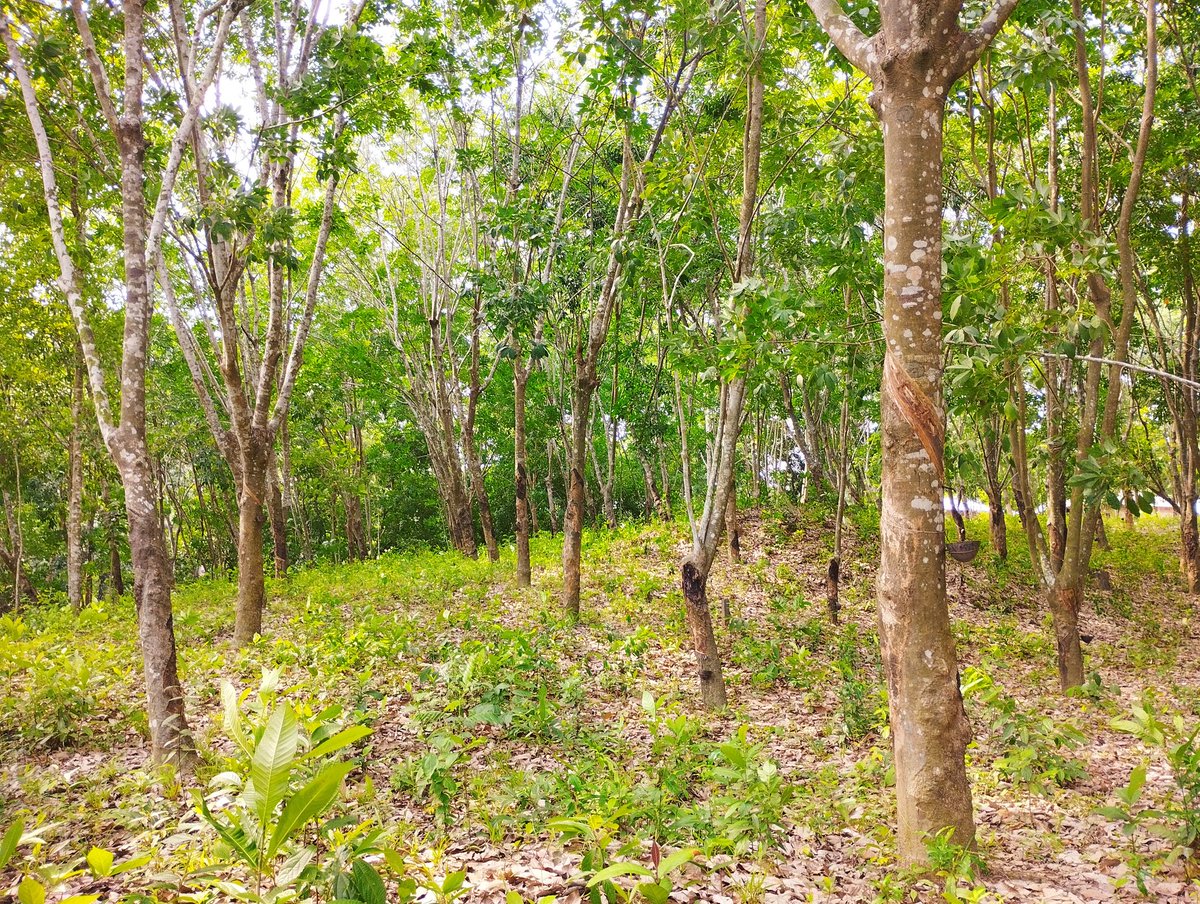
(846, 36)
(977, 40)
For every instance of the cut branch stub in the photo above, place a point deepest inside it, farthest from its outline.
(918, 410)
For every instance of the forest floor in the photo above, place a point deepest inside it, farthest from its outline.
(528, 752)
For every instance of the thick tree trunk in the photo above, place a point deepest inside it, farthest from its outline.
(929, 725)
(170, 739)
(694, 578)
(520, 382)
(1189, 544)
(252, 593)
(577, 474)
(1064, 607)
(75, 495)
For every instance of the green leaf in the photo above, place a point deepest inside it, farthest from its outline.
(676, 860)
(293, 867)
(653, 892)
(342, 739)
(233, 717)
(454, 881)
(8, 844)
(619, 869)
(306, 804)
(272, 763)
(80, 899)
(368, 887)
(1130, 793)
(733, 754)
(132, 863)
(31, 891)
(101, 862)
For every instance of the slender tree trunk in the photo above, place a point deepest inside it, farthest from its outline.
(75, 493)
(732, 529)
(479, 491)
(278, 515)
(520, 382)
(704, 642)
(577, 474)
(551, 509)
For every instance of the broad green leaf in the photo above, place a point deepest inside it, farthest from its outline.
(618, 869)
(272, 763)
(676, 860)
(653, 892)
(80, 899)
(343, 738)
(8, 843)
(733, 754)
(309, 802)
(101, 862)
(1130, 793)
(294, 866)
(368, 887)
(31, 891)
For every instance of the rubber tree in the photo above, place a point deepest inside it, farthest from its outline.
(594, 327)
(719, 487)
(920, 50)
(123, 428)
(257, 374)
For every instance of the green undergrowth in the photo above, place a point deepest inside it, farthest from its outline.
(468, 712)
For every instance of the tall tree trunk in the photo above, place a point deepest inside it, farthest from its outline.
(576, 475)
(929, 725)
(170, 739)
(918, 54)
(115, 576)
(520, 382)
(252, 591)
(278, 515)
(732, 530)
(75, 492)
(551, 508)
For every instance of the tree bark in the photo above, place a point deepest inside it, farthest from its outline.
(704, 642)
(252, 591)
(929, 724)
(278, 515)
(520, 383)
(919, 52)
(75, 494)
